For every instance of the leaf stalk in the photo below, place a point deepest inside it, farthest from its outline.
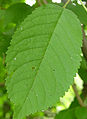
(83, 5)
(66, 3)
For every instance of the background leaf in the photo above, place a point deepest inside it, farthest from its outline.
(66, 114)
(10, 19)
(79, 11)
(81, 113)
(4, 43)
(73, 113)
(17, 12)
(83, 70)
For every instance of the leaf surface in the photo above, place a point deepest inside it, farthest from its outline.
(43, 58)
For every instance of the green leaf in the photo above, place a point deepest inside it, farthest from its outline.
(73, 113)
(17, 1)
(17, 12)
(2, 70)
(83, 70)
(2, 12)
(66, 114)
(43, 58)
(4, 43)
(7, 3)
(4, 3)
(74, 103)
(79, 11)
(85, 101)
(81, 113)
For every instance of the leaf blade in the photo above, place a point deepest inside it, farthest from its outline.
(39, 59)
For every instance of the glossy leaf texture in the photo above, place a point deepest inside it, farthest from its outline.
(43, 58)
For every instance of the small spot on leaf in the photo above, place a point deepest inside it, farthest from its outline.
(33, 68)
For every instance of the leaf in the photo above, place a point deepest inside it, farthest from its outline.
(4, 3)
(79, 11)
(17, 12)
(17, 1)
(73, 113)
(81, 113)
(2, 70)
(83, 70)
(66, 114)
(85, 101)
(43, 58)
(2, 12)
(7, 3)
(4, 43)
(74, 103)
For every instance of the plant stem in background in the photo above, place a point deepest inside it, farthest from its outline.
(2, 8)
(66, 3)
(83, 5)
(39, 2)
(45, 2)
(2, 84)
(80, 101)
